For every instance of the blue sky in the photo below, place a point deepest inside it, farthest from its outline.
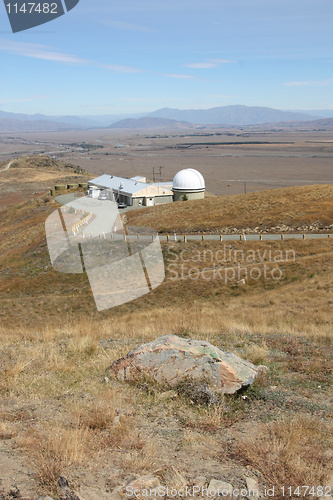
(128, 56)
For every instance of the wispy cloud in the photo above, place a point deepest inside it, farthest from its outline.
(176, 75)
(211, 63)
(39, 51)
(45, 52)
(327, 82)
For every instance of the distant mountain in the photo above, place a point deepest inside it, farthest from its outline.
(225, 115)
(74, 122)
(150, 123)
(10, 125)
(318, 113)
(231, 115)
(323, 124)
(69, 121)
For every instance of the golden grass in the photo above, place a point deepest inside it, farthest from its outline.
(294, 206)
(289, 452)
(55, 349)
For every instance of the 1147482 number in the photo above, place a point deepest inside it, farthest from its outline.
(32, 7)
(302, 491)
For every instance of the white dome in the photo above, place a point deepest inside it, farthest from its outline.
(188, 180)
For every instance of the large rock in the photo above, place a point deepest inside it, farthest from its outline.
(171, 360)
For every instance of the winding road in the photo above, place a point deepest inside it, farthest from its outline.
(8, 166)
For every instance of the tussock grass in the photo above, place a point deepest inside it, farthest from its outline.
(55, 450)
(289, 452)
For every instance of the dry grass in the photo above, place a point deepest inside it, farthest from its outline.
(55, 450)
(55, 349)
(295, 206)
(289, 452)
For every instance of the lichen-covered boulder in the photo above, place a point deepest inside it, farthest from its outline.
(171, 360)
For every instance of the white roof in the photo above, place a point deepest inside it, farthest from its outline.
(188, 179)
(138, 178)
(129, 186)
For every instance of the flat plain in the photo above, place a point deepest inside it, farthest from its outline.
(231, 161)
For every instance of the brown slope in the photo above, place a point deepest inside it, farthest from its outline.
(293, 206)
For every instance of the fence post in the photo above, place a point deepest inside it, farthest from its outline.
(260, 237)
(221, 237)
(282, 236)
(184, 238)
(303, 236)
(203, 238)
(168, 238)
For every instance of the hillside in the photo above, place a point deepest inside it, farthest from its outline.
(59, 414)
(31, 175)
(294, 207)
(150, 123)
(322, 124)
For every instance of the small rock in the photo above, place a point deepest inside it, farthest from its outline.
(14, 492)
(65, 492)
(173, 479)
(69, 494)
(262, 369)
(146, 482)
(252, 487)
(63, 482)
(220, 488)
(45, 498)
(168, 395)
(241, 282)
(200, 482)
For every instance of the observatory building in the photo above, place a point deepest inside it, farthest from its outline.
(188, 184)
(134, 192)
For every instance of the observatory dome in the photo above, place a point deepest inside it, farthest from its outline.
(188, 180)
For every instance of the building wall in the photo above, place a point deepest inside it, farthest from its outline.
(137, 202)
(159, 200)
(178, 195)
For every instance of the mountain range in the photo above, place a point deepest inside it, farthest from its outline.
(235, 115)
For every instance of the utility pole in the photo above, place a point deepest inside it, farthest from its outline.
(160, 172)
